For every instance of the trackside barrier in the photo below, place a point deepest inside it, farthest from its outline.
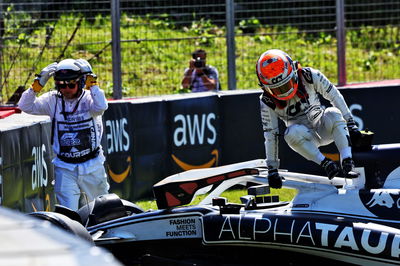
(26, 172)
(157, 137)
(148, 139)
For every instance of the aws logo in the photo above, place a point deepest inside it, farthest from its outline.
(195, 130)
(357, 119)
(39, 206)
(39, 174)
(118, 142)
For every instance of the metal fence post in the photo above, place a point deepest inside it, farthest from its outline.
(116, 49)
(230, 43)
(341, 42)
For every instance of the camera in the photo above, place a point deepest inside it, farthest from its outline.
(199, 63)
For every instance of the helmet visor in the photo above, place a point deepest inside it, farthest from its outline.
(66, 74)
(285, 89)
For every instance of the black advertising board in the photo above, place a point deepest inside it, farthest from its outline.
(205, 130)
(146, 140)
(33, 165)
(47, 156)
(241, 132)
(136, 146)
(118, 147)
(194, 133)
(150, 146)
(376, 109)
(27, 173)
(12, 178)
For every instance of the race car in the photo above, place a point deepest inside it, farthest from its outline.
(347, 221)
(26, 241)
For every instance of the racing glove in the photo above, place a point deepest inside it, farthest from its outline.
(86, 69)
(274, 179)
(355, 134)
(91, 80)
(42, 78)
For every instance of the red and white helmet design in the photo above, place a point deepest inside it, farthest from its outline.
(277, 74)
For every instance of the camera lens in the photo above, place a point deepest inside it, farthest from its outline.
(198, 63)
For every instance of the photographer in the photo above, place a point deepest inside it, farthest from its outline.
(200, 76)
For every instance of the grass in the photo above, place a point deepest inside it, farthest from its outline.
(155, 52)
(232, 196)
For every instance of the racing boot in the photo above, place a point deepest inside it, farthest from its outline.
(331, 168)
(348, 168)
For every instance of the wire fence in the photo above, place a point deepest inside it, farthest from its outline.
(143, 46)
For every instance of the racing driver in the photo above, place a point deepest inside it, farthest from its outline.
(290, 93)
(75, 108)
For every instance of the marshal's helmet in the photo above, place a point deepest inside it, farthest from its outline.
(66, 70)
(277, 74)
(68, 73)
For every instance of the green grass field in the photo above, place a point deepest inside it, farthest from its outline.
(155, 52)
(232, 195)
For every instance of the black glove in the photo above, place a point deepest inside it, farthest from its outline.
(274, 179)
(355, 134)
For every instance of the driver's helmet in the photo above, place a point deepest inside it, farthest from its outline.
(277, 74)
(67, 73)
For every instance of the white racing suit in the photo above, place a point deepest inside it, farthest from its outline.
(76, 135)
(308, 124)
